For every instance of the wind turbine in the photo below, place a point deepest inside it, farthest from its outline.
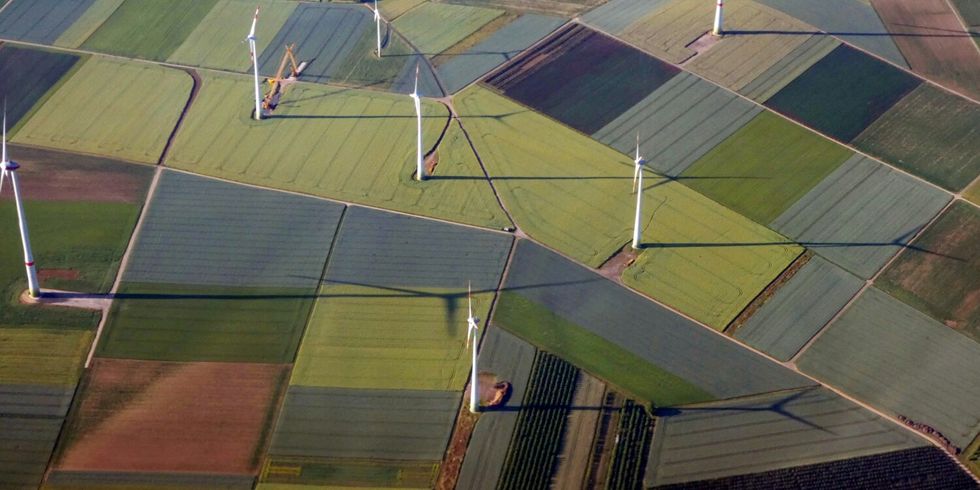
(10, 168)
(420, 170)
(377, 23)
(473, 329)
(638, 189)
(717, 29)
(255, 65)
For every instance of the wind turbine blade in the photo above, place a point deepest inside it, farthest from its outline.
(416, 91)
(469, 299)
(637, 146)
(255, 20)
(377, 15)
(4, 130)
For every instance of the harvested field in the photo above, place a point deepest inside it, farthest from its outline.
(25, 448)
(194, 233)
(133, 125)
(940, 273)
(464, 68)
(934, 42)
(177, 322)
(42, 356)
(678, 123)
(566, 8)
(582, 78)
(930, 133)
(119, 426)
(861, 215)
(344, 144)
(843, 93)
(799, 309)
(766, 433)
(50, 175)
(854, 21)
(970, 14)
(40, 21)
(625, 339)
(788, 68)
(899, 360)
(615, 16)
(214, 45)
(87, 23)
(510, 358)
(972, 193)
(433, 28)
(26, 75)
(666, 32)
(150, 29)
(574, 461)
(765, 167)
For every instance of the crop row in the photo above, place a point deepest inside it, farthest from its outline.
(634, 434)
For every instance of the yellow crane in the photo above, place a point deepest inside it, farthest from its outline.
(278, 84)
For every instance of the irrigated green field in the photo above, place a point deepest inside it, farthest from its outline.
(132, 124)
(340, 143)
(435, 27)
(150, 29)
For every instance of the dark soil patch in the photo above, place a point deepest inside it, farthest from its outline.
(48, 175)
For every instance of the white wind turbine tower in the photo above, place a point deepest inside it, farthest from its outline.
(420, 170)
(718, 6)
(255, 65)
(638, 189)
(473, 329)
(8, 168)
(377, 24)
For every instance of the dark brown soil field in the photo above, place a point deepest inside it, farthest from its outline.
(48, 175)
(146, 416)
(933, 41)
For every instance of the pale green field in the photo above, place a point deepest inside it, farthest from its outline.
(972, 193)
(435, 27)
(704, 259)
(44, 357)
(215, 44)
(88, 23)
(366, 337)
(345, 144)
(108, 108)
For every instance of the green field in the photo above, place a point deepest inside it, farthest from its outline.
(87, 23)
(940, 273)
(788, 68)
(392, 9)
(340, 143)
(150, 29)
(42, 356)
(215, 44)
(435, 27)
(765, 167)
(132, 124)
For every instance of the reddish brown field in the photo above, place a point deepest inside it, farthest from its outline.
(47, 175)
(171, 417)
(933, 41)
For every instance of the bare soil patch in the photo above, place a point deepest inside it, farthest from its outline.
(48, 175)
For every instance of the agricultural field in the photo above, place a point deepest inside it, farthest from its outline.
(930, 133)
(678, 123)
(633, 436)
(40, 21)
(784, 71)
(215, 44)
(148, 29)
(638, 346)
(434, 27)
(969, 12)
(766, 433)
(615, 16)
(565, 8)
(897, 359)
(132, 125)
(307, 147)
(799, 309)
(45, 357)
(765, 167)
(87, 23)
(972, 193)
(552, 78)
(951, 59)
(861, 215)
(25, 448)
(843, 93)
(27, 75)
(940, 273)
(392, 9)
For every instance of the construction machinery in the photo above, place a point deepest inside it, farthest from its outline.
(278, 84)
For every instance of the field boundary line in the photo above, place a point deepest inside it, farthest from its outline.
(486, 174)
(966, 29)
(196, 84)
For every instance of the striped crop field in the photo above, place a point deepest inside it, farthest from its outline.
(27, 75)
(897, 359)
(434, 27)
(615, 16)
(40, 21)
(765, 167)
(784, 71)
(344, 144)
(87, 23)
(26, 444)
(765, 433)
(133, 124)
(150, 29)
(42, 356)
(861, 215)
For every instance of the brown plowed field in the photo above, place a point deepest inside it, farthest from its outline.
(48, 175)
(933, 41)
(165, 416)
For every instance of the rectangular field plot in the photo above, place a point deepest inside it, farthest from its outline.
(843, 93)
(195, 233)
(625, 339)
(26, 75)
(42, 356)
(898, 359)
(799, 309)
(582, 78)
(26, 444)
(765, 167)
(346, 144)
(144, 416)
(766, 433)
(678, 123)
(615, 16)
(348, 474)
(940, 273)
(128, 480)
(87, 23)
(150, 29)
(784, 71)
(972, 193)
(861, 215)
(434, 27)
(930, 133)
(36, 400)
(40, 21)
(214, 44)
(133, 124)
